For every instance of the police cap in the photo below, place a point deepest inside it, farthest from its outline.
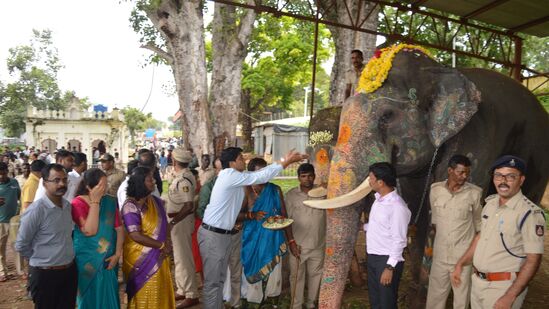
(510, 161)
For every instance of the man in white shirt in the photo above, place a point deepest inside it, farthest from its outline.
(121, 192)
(66, 159)
(214, 236)
(80, 164)
(386, 237)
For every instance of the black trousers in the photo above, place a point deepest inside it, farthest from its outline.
(53, 289)
(381, 296)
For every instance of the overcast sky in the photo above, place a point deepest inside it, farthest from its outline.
(98, 48)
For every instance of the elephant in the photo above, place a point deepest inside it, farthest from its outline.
(421, 115)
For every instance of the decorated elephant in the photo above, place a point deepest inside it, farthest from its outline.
(416, 113)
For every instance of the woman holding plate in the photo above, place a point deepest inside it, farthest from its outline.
(262, 249)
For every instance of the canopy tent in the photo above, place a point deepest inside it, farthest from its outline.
(501, 19)
(524, 16)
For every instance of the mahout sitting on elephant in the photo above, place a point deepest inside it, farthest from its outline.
(415, 113)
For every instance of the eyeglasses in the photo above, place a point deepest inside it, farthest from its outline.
(57, 180)
(507, 177)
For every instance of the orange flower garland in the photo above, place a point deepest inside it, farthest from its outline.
(377, 69)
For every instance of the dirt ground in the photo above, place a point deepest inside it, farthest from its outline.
(13, 291)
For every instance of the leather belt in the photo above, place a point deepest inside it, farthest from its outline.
(56, 267)
(218, 230)
(500, 276)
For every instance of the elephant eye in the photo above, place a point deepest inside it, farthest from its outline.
(387, 116)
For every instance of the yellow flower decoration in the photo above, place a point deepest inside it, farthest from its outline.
(377, 69)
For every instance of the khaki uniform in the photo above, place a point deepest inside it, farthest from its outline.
(309, 230)
(352, 77)
(205, 175)
(521, 225)
(114, 178)
(457, 218)
(180, 192)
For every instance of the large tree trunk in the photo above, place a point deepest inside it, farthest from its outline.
(231, 34)
(182, 26)
(346, 40)
(246, 121)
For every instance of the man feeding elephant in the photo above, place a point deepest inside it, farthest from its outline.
(386, 237)
(456, 208)
(506, 254)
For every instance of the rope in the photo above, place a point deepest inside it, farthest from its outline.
(150, 91)
(425, 188)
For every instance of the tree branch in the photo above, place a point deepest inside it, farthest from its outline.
(246, 25)
(159, 51)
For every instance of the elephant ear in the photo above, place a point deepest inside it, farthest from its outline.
(455, 101)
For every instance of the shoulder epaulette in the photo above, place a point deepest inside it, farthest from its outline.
(490, 197)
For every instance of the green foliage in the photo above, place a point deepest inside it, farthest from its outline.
(142, 25)
(286, 183)
(33, 70)
(535, 52)
(279, 62)
(136, 120)
(544, 100)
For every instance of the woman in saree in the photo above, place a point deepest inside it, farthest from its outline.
(262, 249)
(98, 238)
(146, 249)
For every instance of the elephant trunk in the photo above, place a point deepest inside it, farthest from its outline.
(341, 234)
(354, 153)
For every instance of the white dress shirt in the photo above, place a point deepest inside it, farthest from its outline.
(121, 193)
(388, 224)
(228, 194)
(72, 185)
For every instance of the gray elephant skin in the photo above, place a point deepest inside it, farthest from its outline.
(421, 109)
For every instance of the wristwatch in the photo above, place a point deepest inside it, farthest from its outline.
(389, 267)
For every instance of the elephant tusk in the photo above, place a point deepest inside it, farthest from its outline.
(344, 200)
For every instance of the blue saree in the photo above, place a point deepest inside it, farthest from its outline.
(97, 286)
(262, 249)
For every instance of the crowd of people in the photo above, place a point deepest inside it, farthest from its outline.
(73, 227)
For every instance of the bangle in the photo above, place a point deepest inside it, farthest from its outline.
(162, 246)
(291, 241)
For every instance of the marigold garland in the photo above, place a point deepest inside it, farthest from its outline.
(375, 72)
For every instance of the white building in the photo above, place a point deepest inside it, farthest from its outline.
(77, 129)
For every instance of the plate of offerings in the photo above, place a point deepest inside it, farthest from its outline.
(277, 222)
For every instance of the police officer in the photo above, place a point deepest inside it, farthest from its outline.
(456, 209)
(507, 252)
(180, 212)
(115, 177)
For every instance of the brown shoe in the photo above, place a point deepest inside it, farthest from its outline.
(179, 297)
(188, 302)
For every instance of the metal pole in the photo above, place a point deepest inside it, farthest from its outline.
(517, 62)
(453, 53)
(306, 94)
(314, 65)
